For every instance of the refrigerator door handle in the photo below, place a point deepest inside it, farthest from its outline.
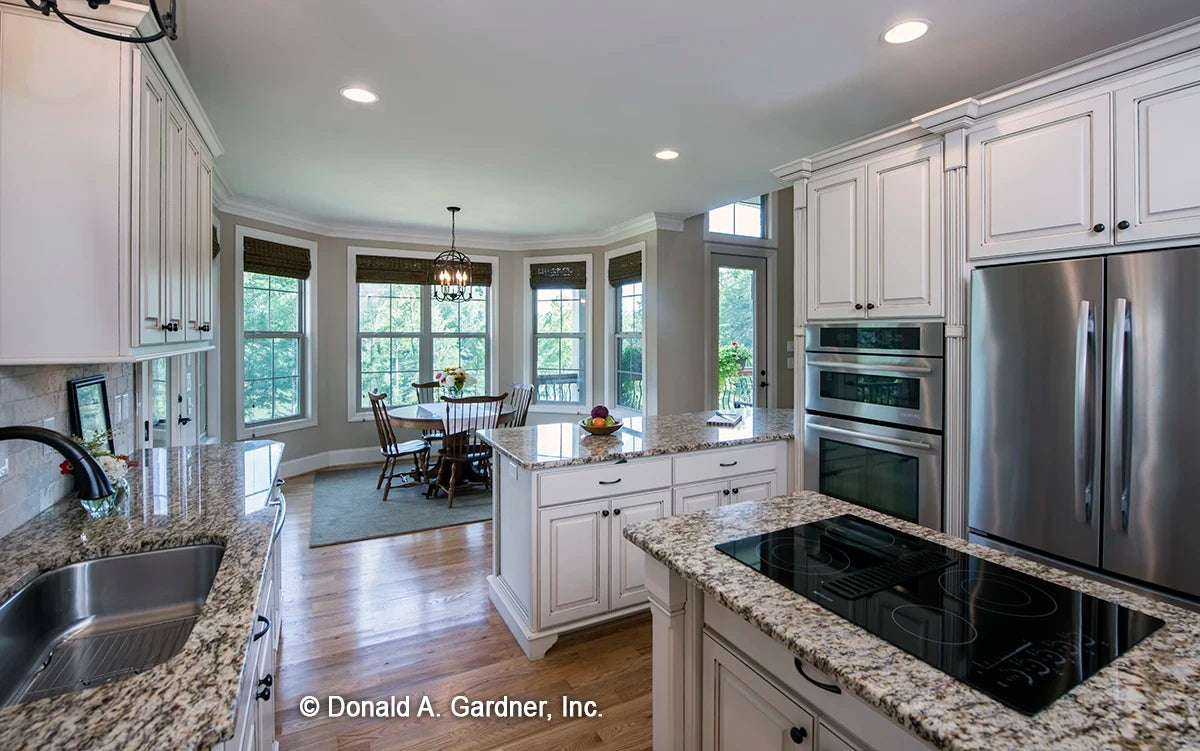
(1118, 477)
(1084, 433)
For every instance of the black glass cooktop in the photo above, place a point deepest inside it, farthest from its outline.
(1019, 639)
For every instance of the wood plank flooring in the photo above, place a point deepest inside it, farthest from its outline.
(410, 616)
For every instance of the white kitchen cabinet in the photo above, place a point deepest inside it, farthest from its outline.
(837, 251)
(699, 497)
(204, 224)
(742, 710)
(190, 278)
(758, 487)
(875, 239)
(1041, 181)
(92, 240)
(628, 586)
(905, 239)
(573, 561)
(829, 740)
(1158, 157)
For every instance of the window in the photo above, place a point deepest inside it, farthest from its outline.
(275, 342)
(747, 218)
(403, 336)
(560, 342)
(629, 346)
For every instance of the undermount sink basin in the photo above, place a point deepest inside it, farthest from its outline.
(91, 623)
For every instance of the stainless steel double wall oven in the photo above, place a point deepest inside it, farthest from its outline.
(873, 431)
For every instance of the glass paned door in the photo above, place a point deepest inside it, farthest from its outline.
(741, 331)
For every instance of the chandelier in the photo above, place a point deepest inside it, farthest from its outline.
(167, 22)
(452, 270)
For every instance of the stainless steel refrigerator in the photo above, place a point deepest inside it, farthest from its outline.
(1085, 412)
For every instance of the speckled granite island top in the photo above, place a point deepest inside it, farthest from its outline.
(1148, 699)
(565, 444)
(212, 494)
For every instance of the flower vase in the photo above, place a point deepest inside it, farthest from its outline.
(110, 505)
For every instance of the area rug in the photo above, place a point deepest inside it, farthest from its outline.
(347, 507)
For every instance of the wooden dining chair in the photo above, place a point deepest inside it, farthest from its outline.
(393, 451)
(466, 460)
(427, 393)
(521, 397)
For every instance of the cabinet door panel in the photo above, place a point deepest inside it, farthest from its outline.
(742, 710)
(1041, 182)
(691, 498)
(905, 248)
(828, 740)
(836, 245)
(754, 488)
(1158, 157)
(204, 240)
(173, 218)
(573, 562)
(191, 249)
(152, 105)
(629, 561)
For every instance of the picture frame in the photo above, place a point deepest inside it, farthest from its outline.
(88, 407)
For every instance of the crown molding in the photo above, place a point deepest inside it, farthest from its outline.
(868, 144)
(225, 201)
(169, 65)
(958, 116)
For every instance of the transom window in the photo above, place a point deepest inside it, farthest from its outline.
(746, 218)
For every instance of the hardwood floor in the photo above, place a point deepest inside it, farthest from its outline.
(410, 616)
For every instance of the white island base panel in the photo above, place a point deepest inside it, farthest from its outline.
(560, 560)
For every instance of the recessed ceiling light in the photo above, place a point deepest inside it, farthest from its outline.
(362, 96)
(667, 154)
(906, 31)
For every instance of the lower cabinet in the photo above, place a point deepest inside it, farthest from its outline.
(701, 496)
(586, 566)
(742, 711)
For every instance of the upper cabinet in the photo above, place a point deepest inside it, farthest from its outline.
(1042, 181)
(875, 237)
(1158, 157)
(105, 251)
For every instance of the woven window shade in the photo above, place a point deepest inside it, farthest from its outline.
(572, 275)
(276, 259)
(399, 270)
(216, 244)
(625, 269)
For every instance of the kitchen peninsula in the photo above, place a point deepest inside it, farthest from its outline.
(742, 661)
(561, 500)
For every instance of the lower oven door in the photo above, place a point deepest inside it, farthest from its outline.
(888, 469)
(899, 390)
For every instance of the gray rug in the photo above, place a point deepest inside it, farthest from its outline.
(347, 507)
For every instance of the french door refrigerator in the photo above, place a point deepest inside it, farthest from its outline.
(1084, 438)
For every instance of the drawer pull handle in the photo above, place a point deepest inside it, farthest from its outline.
(267, 627)
(610, 482)
(729, 464)
(830, 687)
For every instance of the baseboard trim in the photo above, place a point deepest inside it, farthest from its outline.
(325, 459)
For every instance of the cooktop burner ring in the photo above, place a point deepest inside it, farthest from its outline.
(1022, 592)
(971, 630)
(822, 560)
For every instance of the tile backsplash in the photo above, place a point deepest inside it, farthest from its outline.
(29, 395)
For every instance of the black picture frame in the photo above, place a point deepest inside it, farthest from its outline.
(88, 406)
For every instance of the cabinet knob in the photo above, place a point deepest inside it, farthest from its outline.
(1098, 228)
(858, 306)
(616, 512)
(172, 326)
(267, 680)
(735, 491)
(725, 491)
(264, 695)
(799, 735)
(604, 513)
(870, 306)
(1122, 224)
(206, 327)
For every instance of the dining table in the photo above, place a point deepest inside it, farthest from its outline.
(427, 416)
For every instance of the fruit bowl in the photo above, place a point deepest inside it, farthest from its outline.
(586, 424)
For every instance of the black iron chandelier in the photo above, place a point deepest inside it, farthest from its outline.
(452, 270)
(167, 22)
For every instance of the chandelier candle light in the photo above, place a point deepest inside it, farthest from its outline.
(452, 270)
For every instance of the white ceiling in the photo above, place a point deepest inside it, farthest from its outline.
(541, 117)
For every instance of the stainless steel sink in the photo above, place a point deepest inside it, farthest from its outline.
(91, 623)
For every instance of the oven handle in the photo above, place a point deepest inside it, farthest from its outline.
(864, 367)
(920, 445)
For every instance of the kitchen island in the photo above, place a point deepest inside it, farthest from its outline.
(209, 694)
(562, 498)
(733, 646)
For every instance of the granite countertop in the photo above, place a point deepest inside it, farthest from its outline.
(182, 496)
(565, 444)
(1146, 699)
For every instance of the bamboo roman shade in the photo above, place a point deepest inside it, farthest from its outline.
(625, 269)
(276, 259)
(567, 275)
(400, 270)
